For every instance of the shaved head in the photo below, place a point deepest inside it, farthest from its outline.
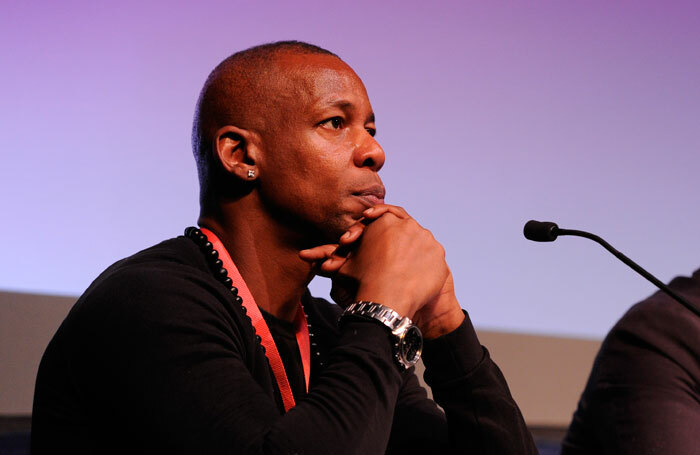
(243, 90)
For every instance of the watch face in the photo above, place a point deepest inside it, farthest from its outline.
(411, 345)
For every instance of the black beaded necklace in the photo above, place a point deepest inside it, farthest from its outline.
(221, 274)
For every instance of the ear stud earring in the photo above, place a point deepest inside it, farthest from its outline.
(251, 173)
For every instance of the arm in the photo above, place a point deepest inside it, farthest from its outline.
(482, 417)
(171, 359)
(480, 414)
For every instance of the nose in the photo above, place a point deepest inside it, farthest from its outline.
(368, 153)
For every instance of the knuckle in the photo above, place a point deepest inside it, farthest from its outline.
(388, 218)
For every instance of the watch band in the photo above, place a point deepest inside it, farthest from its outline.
(406, 337)
(371, 310)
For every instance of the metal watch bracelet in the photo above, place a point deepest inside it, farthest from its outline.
(407, 339)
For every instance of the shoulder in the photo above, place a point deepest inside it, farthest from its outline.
(662, 321)
(167, 266)
(165, 282)
(646, 375)
(166, 256)
(655, 336)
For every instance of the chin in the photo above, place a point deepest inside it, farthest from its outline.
(334, 228)
(328, 230)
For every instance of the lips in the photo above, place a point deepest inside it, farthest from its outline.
(372, 195)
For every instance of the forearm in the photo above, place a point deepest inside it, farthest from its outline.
(482, 416)
(354, 395)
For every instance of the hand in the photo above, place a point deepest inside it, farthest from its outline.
(393, 261)
(442, 315)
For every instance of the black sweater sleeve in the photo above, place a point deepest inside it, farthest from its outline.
(480, 416)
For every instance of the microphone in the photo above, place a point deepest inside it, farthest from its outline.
(547, 231)
(541, 231)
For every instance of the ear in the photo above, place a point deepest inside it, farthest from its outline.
(237, 151)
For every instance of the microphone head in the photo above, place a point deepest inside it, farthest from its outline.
(541, 231)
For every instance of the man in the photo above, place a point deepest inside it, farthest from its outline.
(200, 344)
(643, 395)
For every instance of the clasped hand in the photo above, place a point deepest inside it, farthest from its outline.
(387, 257)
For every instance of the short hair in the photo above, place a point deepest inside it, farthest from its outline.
(220, 96)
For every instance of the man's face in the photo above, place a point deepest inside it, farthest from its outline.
(320, 160)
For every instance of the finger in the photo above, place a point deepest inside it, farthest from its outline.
(327, 266)
(378, 210)
(332, 265)
(317, 253)
(352, 234)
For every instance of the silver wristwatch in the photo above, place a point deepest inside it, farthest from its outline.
(408, 341)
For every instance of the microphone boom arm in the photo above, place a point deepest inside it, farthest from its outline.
(633, 265)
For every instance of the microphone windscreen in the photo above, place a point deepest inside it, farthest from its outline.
(540, 231)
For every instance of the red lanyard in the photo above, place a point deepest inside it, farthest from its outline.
(261, 328)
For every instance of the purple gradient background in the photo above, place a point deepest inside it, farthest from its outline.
(491, 113)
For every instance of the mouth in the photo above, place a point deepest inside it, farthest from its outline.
(371, 196)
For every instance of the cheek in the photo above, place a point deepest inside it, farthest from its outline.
(323, 164)
(310, 172)
(330, 177)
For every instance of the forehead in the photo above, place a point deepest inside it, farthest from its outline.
(317, 79)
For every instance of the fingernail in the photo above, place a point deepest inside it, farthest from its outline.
(369, 210)
(346, 235)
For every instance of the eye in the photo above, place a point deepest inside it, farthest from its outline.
(372, 132)
(333, 123)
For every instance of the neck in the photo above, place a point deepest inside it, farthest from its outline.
(265, 256)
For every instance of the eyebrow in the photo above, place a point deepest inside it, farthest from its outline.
(340, 103)
(344, 104)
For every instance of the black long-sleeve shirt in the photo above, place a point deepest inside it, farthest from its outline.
(643, 394)
(157, 357)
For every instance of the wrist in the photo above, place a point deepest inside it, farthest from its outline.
(443, 323)
(389, 299)
(406, 338)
